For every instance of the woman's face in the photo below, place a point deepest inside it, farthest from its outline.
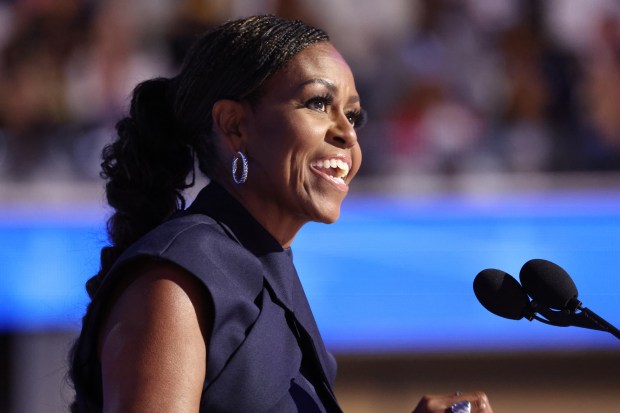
(301, 140)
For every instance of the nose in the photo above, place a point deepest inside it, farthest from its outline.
(342, 133)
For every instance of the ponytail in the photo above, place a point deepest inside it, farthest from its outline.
(146, 169)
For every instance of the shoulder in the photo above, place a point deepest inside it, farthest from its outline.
(202, 247)
(195, 229)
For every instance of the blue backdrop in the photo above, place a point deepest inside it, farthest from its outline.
(394, 274)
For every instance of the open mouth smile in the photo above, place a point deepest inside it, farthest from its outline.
(335, 170)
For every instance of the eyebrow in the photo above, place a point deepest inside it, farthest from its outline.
(329, 85)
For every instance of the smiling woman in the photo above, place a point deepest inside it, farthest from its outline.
(200, 309)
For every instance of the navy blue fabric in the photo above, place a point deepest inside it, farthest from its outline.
(265, 351)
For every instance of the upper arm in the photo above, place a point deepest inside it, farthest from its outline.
(153, 344)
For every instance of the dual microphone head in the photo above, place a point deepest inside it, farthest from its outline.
(554, 296)
(547, 283)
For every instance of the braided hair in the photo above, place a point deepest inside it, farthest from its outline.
(169, 129)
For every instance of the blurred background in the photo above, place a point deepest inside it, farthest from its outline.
(493, 138)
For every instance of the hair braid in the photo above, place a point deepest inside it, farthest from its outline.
(146, 170)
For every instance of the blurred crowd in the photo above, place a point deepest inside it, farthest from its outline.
(451, 86)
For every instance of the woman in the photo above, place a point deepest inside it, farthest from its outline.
(200, 309)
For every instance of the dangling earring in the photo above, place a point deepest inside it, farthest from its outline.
(244, 168)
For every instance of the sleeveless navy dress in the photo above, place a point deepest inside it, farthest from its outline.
(265, 350)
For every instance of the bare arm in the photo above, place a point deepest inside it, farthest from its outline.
(153, 345)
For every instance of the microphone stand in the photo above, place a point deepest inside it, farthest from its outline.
(585, 318)
(599, 322)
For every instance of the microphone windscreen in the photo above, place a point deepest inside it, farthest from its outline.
(501, 294)
(547, 283)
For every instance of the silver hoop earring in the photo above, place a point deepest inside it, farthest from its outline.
(244, 168)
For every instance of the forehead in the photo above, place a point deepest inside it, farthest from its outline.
(318, 61)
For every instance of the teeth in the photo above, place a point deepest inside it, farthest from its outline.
(341, 166)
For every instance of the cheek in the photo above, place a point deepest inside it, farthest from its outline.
(357, 159)
(287, 143)
(299, 141)
(280, 154)
(280, 134)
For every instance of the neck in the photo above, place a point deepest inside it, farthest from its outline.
(276, 220)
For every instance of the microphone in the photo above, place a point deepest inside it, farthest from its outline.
(502, 295)
(549, 285)
(554, 296)
(552, 287)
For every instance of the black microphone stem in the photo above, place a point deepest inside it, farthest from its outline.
(579, 317)
(600, 322)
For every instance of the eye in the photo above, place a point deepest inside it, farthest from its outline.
(357, 118)
(320, 103)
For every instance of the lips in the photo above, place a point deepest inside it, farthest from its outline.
(336, 169)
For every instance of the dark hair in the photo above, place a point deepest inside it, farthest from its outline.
(169, 126)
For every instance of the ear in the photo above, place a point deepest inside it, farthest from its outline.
(228, 117)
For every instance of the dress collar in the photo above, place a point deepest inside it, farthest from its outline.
(214, 201)
(241, 226)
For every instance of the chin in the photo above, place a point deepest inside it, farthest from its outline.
(327, 221)
(327, 217)
(323, 209)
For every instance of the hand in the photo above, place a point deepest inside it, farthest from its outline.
(442, 403)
